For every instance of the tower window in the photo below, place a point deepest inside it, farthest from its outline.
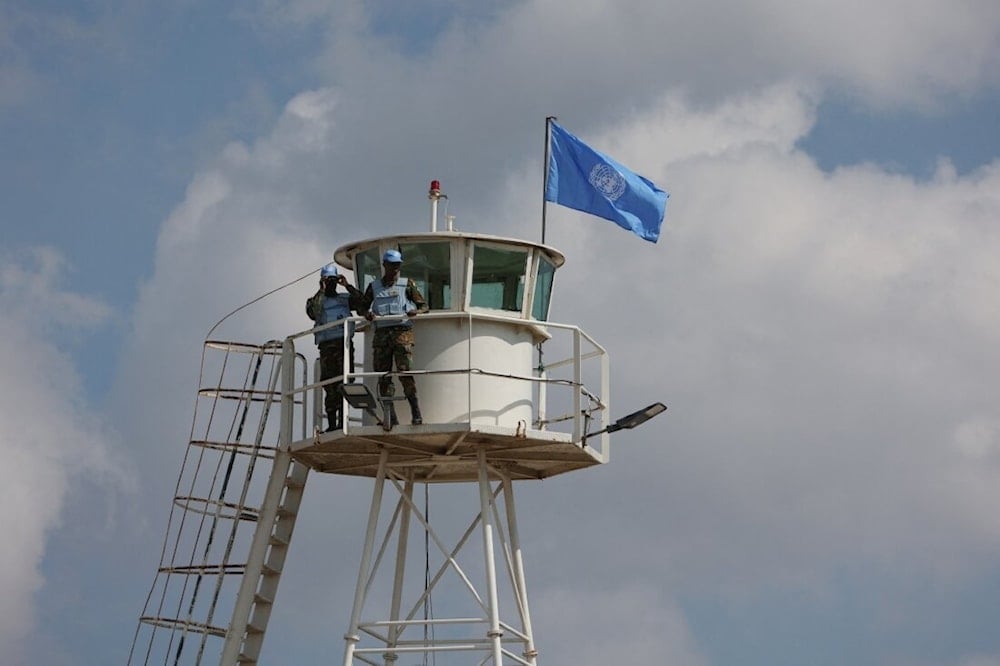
(429, 266)
(498, 278)
(543, 289)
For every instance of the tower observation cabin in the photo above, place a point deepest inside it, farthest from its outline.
(506, 395)
(480, 364)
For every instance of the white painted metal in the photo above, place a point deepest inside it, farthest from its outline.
(485, 346)
(486, 498)
(606, 412)
(517, 563)
(489, 638)
(205, 559)
(353, 634)
(479, 368)
(577, 394)
(269, 548)
(401, 553)
(344, 254)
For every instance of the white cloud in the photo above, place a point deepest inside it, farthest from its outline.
(48, 437)
(244, 228)
(892, 52)
(821, 339)
(827, 343)
(602, 59)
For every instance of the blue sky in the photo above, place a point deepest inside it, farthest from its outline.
(822, 324)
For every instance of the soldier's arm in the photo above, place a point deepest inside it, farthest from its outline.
(314, 305)
(355, 299)
(415, 296)
(364, 306)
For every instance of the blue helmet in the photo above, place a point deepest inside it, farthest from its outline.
(392, 257)
(330, 270)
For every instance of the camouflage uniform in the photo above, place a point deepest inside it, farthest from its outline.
(331, 364)
(331, 356)
(395, 344)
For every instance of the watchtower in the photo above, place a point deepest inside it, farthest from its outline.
(507, 395)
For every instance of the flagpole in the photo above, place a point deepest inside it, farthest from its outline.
(545, 185)
(545, 170)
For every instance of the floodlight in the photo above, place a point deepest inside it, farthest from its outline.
(637, 418)
(359, 396)
(630, 421)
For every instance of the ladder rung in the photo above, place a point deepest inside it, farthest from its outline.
(260, 599)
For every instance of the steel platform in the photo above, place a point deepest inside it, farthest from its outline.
(441, 453)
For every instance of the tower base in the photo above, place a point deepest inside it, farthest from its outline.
(403, 623)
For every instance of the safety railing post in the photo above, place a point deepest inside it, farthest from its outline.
(578, 392)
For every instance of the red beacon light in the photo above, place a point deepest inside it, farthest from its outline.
(434, 194)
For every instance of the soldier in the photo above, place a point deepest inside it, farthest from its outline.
(389, 300)
(328, 305)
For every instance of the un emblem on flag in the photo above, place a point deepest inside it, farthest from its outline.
(607, 180)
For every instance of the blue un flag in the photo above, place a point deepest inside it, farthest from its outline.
(583, 179)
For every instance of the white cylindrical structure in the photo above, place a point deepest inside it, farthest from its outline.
(488, 300)
(496, 352)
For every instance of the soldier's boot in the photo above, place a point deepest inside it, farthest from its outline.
(333, 420)
(393, 421)
(415, 411)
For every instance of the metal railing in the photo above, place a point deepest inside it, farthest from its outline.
(216, 503)
(569, 392)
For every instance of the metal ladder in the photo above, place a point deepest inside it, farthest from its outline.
(266, 562)
(208, 554)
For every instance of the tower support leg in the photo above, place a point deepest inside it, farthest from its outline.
(482, 631)
(520, 586)
(397, 585)
(360, 592)
(486, 501)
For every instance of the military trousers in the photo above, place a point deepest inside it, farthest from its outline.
(394, 345)
(331, 364)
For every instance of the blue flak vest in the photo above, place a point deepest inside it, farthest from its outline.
(391, 302)
(335, 308)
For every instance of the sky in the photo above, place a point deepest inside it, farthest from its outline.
(819, 314)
